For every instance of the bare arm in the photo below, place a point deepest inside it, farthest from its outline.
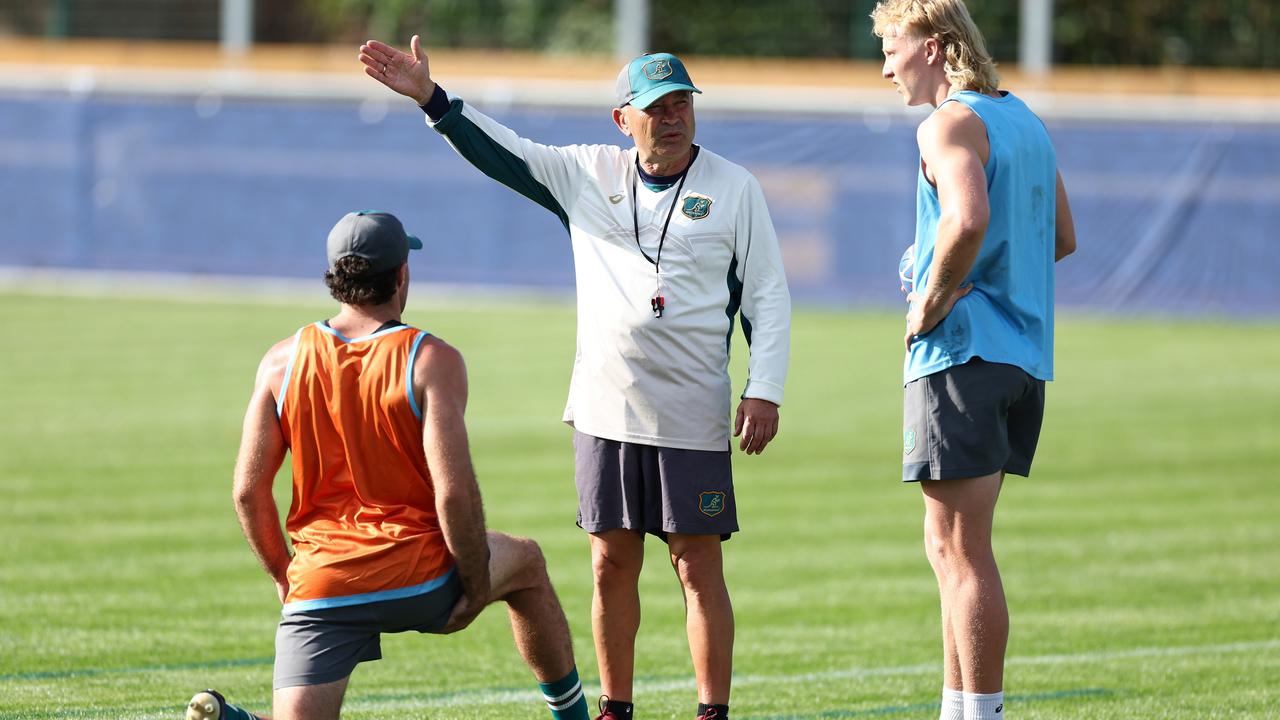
(1065, 226)
(406, 73)
(951, 148)
(262, 450)
(441, 378)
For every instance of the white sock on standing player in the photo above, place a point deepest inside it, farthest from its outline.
(984, 707)
(952, 704)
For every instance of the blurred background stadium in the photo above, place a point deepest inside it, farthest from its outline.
(196, 151)
(194, 136)
(1221, 33)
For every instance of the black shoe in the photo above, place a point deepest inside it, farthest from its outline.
(604, 712)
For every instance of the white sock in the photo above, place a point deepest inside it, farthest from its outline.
(984, 707)
(952, 704)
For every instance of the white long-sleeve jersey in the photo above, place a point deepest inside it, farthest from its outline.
(638, 378)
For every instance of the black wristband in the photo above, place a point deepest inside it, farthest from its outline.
(438, 105)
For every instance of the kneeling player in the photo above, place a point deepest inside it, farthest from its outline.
(386, 525)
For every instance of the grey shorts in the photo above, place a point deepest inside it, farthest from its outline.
(651, 489)
(322, 646)
(971, 420)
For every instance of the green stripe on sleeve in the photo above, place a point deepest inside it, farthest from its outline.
(494, 160)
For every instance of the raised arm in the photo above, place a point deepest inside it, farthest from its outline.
(952, 142)
(440, 379)
(262, 450)
(406, 73)
(550, 175)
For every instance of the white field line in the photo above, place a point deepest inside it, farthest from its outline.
(503, 697)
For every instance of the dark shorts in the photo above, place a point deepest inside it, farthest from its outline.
(322, 646)
(971, 420)
(651, 489)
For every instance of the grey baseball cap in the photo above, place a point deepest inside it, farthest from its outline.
(375, 236)
(645, 79)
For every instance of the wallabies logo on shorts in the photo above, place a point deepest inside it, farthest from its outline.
(711, 503)
(696, 207)
(908, 440)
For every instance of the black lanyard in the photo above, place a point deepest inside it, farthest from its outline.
(658, 302)
(635, 219)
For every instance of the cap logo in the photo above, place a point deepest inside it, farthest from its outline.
(659, 69)
(696, 207)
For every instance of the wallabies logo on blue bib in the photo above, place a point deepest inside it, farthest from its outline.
(696, 207)
(711, 503)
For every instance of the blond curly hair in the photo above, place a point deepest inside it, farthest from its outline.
(968, 64)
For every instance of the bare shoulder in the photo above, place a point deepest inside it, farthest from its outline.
(438, 360)
(435, 351)
(439, 379)
(271, 369)
(953, 124)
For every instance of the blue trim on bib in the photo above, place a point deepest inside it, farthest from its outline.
(288, 370)
(301, 606)
(408, 374)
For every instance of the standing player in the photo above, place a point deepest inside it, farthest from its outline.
(992, 219)
(386, 524)
(670, 241)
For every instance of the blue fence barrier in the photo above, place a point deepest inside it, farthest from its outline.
(1172, 217)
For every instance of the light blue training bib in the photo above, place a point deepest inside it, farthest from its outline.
(1008, 316)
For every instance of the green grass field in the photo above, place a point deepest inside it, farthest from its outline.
(1142, 562)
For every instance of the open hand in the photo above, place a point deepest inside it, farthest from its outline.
(407, 74)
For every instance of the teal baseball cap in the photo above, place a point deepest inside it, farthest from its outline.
(650, 76)
(378, 237)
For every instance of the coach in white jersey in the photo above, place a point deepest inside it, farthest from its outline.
(670, 243)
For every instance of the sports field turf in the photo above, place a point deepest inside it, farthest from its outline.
(1142, 561)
